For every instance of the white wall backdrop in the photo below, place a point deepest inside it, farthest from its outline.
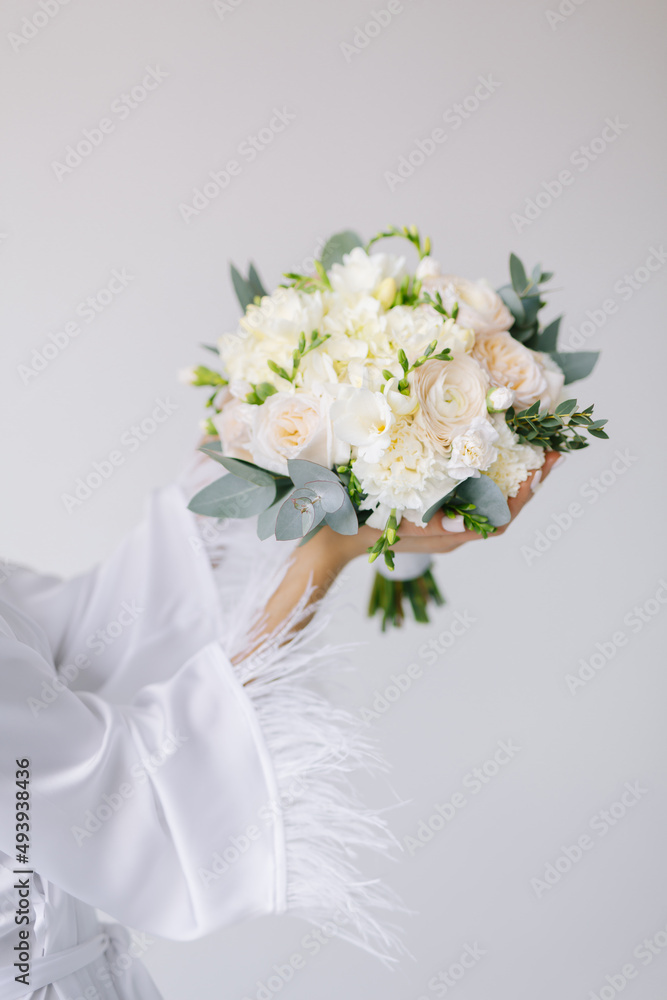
(565, 585)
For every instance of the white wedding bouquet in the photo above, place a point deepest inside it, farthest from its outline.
(368, 392)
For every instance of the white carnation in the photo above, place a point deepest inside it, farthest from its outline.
(515, 459)
(409, 476)
(473, 450)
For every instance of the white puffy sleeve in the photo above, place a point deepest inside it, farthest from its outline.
(168, 791)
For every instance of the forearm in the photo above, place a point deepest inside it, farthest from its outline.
(312, 570)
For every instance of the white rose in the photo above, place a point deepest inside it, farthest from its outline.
(473, 450)
(451, 394)
(555, 381)
(480, 307)
(515, 366)
(363, 419)
(234, 427)
(292, 425)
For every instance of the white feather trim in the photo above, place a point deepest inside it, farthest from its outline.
(314, 746)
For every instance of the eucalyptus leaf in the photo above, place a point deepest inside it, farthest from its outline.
(331, 495)
(513, 303)
(575, 364)
(296, 518)
(302, 472)
(518, 274)
(337, 246)
(434, 508)
(487, 497)
(344, 520)
(548, 339)
(233, 497)
(243, 288)
(266, 522)
(244, 470)
(255, 282)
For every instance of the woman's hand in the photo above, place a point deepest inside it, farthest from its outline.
(434, 538)
(320, 560)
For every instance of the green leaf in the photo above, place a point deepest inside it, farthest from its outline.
(513, 303)
(344, 520)
(434, 508)
(297, 516)
(487, 497)
(244, 470)
(255, 282)
(243, 288)
(575, 364)
(266, 522)
(337, 246)
(231, 496)
(548, 338)
(567, 406)
(210, 347)
(302, 472)
(517, 274)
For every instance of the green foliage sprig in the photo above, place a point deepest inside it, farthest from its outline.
(473, 522)
(383, 546)
(428, 355)
(298, 353)
(557, 431)
(410, 233)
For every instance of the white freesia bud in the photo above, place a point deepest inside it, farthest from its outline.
(386, 292)
(400, 403)
(499, 398)
(187, 376)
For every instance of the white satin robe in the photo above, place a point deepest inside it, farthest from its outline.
(164, 791)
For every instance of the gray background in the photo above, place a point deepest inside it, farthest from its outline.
(535, 616)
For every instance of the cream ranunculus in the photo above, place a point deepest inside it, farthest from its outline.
(363, 419)
(291, 425)
(480, 307)
(473, 451)
(451, 394)
(511, 364)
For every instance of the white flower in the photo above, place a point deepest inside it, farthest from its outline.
(414, 329)
(480, 307)
(363, 274)
(402, 404)
(409, 476)
(363, 419)
(555, 381)
(293, 426)
(234, 427)
(187, 376)
(499, 398)
(515, 366)
(473, 450)
(284, 314)
(451, 394)
(514, 461)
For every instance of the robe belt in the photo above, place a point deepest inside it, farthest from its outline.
(48, 969)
